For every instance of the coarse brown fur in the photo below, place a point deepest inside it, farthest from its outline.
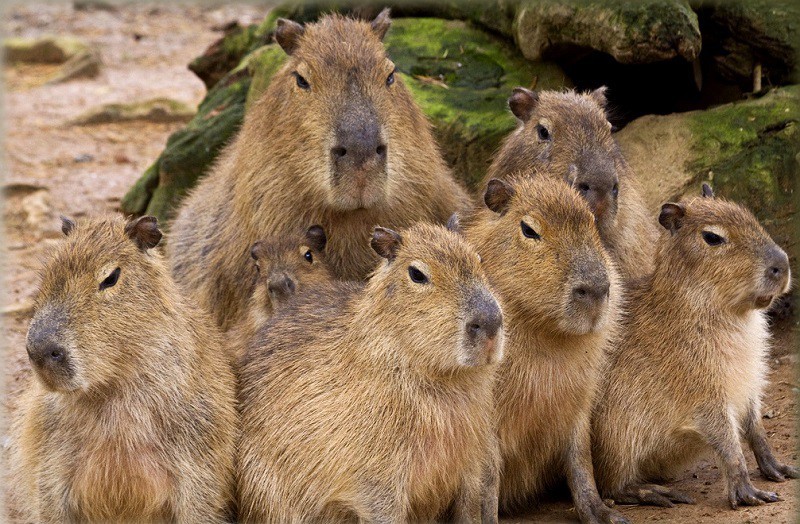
(279, 172)
(284, 267)
(691, 366)
(580, 148)
(555, 347)
(131, 413)
(374, 402)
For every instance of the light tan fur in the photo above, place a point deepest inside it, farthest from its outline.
(278, 173)
(144, 426)
(580, 136)
(369, 402)
(690, 369)
(554, 353)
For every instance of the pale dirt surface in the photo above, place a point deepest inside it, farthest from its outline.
(44, 179)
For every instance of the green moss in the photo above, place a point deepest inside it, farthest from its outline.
(262, 64)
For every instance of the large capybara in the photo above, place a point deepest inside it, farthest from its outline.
(284, 267)
(560, 295)
(691, 366)
(131, 414)
(335, 140)
(567, 134)
(375, 402)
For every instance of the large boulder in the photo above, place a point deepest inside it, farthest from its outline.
(43, 50)
(748, 151)
(460, 76)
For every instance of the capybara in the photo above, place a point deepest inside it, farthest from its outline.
(131, 413)
(284, 267)
(560, 293)
(567, 134)
(375, 401)
(335, 140)
(691, 365)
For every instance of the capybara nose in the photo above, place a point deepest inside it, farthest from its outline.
(486, 322)
(591, 292)
(777, 265)
(359, 145)
(282, 286)
(43, 353)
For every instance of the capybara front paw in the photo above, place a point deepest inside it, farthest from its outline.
(652, 495)
(605, 515)
(746, 494)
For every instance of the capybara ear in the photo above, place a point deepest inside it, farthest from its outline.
(382, 23)
(315, 235)
(287, 34)
(454, 224)
(498, 195)
(671, 216)
(707, 191)
(599, 96)
(522, 102)
(67, 225)
(144, 232)
(386, 242)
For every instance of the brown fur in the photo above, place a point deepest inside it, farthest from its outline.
(370, 402)
(691, 365)
(143, 427)
(580, 136)
(555, 353)
(278, 173)
(275, 260)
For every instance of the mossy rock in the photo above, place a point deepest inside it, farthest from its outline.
(460, 76)
(157, 110)
(43, 50)
(632, 32)
(748, 151)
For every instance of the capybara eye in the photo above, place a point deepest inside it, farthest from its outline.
(417, 276)
(302, 83)
(615, 191)
(309, 257)
(390, 78)
(544, 134)
(529, 232)
(110, 280)
(712, 239)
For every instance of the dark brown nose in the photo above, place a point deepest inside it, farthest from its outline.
(359, 143)
(486, 320)
(282, 286)
(43, 347)
(777, 265)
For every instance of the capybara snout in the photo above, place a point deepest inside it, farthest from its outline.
(483, 343)
(50, 357)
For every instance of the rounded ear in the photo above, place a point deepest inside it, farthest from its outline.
(671, 216)
(454, 224)
(382, 23)
(599, 96)
(386, 242)
(255, 249)
(287, 34)
(315, 235)
(144, 232)
(707, 192)
(498, 195)
(522, 102)
(67, 225)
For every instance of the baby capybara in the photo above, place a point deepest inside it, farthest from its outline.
(335, 140)
(130, 415)
(567, 135)
(559, 291)
(691, 367)
(375, 401)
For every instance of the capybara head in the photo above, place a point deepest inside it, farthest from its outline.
(340, 90)
(99, 297)
(432, 296)
(719, 249)
(538, 239)
(569, 133)
(287, 265)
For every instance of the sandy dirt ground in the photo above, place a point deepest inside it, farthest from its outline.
(54, 169)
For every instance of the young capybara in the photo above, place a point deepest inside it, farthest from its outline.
(131, 414)
(559, 291)
(335, 140)
(375, 401)
(691, 367)
(568, 135)
(284, 267)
